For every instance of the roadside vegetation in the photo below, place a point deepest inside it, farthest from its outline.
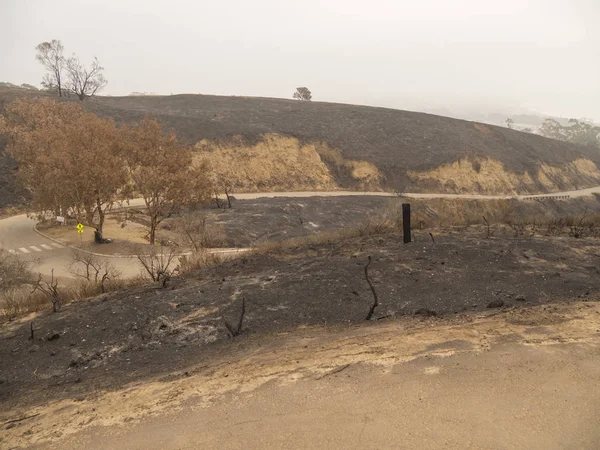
(192, 236)
(74, 163)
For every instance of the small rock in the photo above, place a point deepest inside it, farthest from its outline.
(354, 255)
(34, 348)
(134, 327)
(425, 312)
(355, 292)
(52, 353)
(53, 336)
(496, 303)
(10, 425)
(520, 298)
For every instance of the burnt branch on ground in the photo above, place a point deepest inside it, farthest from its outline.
(237, 331)
(375, 298)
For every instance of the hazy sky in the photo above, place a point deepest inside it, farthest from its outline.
(538, 54)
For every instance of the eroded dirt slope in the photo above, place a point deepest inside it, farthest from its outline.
(489, 380)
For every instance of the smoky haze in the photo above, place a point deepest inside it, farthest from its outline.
(453, 56)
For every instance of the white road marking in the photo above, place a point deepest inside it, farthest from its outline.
(46, 246)
(24, 250)
(14, 252)
(57, 245)
(33, 247)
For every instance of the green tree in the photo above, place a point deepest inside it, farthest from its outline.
(303, 93)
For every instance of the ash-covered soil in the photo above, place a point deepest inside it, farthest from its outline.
(122, 337)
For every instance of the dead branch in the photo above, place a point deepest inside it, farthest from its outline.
(20, 419)
(334, 371)
(432, 238)
(237, 331)
(50, 290)
(158, 265)
(488, 227)
(375, 298)
(31, 337)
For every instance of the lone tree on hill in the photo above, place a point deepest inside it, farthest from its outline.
(84, 82)
(50, 55)
(303, 93)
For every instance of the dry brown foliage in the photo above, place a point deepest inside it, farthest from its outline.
(68, 158)
(162, 172)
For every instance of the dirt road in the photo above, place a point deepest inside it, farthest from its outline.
(255, 195)
(520, 379)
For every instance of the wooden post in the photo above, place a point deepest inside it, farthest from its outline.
(406, 222)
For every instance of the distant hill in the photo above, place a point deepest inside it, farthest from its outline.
(358, 146)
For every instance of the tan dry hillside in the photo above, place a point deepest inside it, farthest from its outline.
(286, 144)
(280, 163)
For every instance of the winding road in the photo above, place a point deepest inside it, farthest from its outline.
(18, 236)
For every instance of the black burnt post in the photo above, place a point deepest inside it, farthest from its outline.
(406, 222)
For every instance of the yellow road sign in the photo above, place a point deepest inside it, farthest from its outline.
(80, 228)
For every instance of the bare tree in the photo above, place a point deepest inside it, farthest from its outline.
(509, 123)
(13, 270)
(50, 55)
(50, 289)
(85, 82)
(303, 93)
(88, 266)
(196, 233)
(158, 264)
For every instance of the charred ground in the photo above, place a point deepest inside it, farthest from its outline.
(122, 337)
(394, 141)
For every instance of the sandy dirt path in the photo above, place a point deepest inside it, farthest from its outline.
(518, 379)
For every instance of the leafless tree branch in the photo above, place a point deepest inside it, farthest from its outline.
(375, 298)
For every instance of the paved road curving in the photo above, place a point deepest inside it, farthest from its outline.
(254, 195)
(18, 236)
